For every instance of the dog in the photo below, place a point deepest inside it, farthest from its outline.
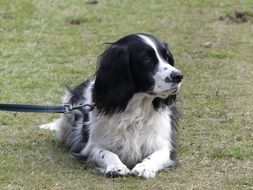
(130, 129)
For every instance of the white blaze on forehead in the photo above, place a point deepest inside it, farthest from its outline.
(150, 42)
(161, 60)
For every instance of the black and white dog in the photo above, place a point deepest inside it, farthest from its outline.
(130, 130)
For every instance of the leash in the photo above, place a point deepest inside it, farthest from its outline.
(66, 108)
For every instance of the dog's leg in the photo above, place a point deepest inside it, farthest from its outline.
(107, 161)
(149, 166)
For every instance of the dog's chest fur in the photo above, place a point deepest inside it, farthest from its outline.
(133, 134)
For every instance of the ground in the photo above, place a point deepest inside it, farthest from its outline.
(50, 44)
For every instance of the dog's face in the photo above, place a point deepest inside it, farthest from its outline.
(135, 63)
(151, 65)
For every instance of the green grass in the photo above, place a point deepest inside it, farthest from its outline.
(46, 45)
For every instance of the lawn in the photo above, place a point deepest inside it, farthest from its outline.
(50, 44)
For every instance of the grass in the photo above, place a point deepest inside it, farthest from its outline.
(46, 45)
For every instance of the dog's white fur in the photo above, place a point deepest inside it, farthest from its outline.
(120, 137)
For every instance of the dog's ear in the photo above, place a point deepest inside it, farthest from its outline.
(114, 85)
(170, 57)
(166, 45)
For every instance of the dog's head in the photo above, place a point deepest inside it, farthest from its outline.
(135, 63)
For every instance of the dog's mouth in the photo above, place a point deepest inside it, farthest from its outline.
(174, 89)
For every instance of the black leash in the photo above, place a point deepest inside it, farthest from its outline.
(66, 108)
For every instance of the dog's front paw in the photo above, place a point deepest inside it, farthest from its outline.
(142, 170)
(116, 171)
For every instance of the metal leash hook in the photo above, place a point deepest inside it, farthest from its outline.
(83, 107)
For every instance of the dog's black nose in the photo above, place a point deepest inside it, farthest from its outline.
(176, 76)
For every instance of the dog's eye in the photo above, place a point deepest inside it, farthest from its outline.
(147, 59)
(150, 58)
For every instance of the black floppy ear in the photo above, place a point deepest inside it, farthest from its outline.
(166, 45)
(170, 57)
(114, 85)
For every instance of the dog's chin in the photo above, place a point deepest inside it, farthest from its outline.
(165, 93)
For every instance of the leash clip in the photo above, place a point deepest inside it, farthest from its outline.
(68, 108)
(84, 108)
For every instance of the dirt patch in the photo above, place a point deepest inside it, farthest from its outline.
(77, 21)
(91, 2)
(238, 17)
